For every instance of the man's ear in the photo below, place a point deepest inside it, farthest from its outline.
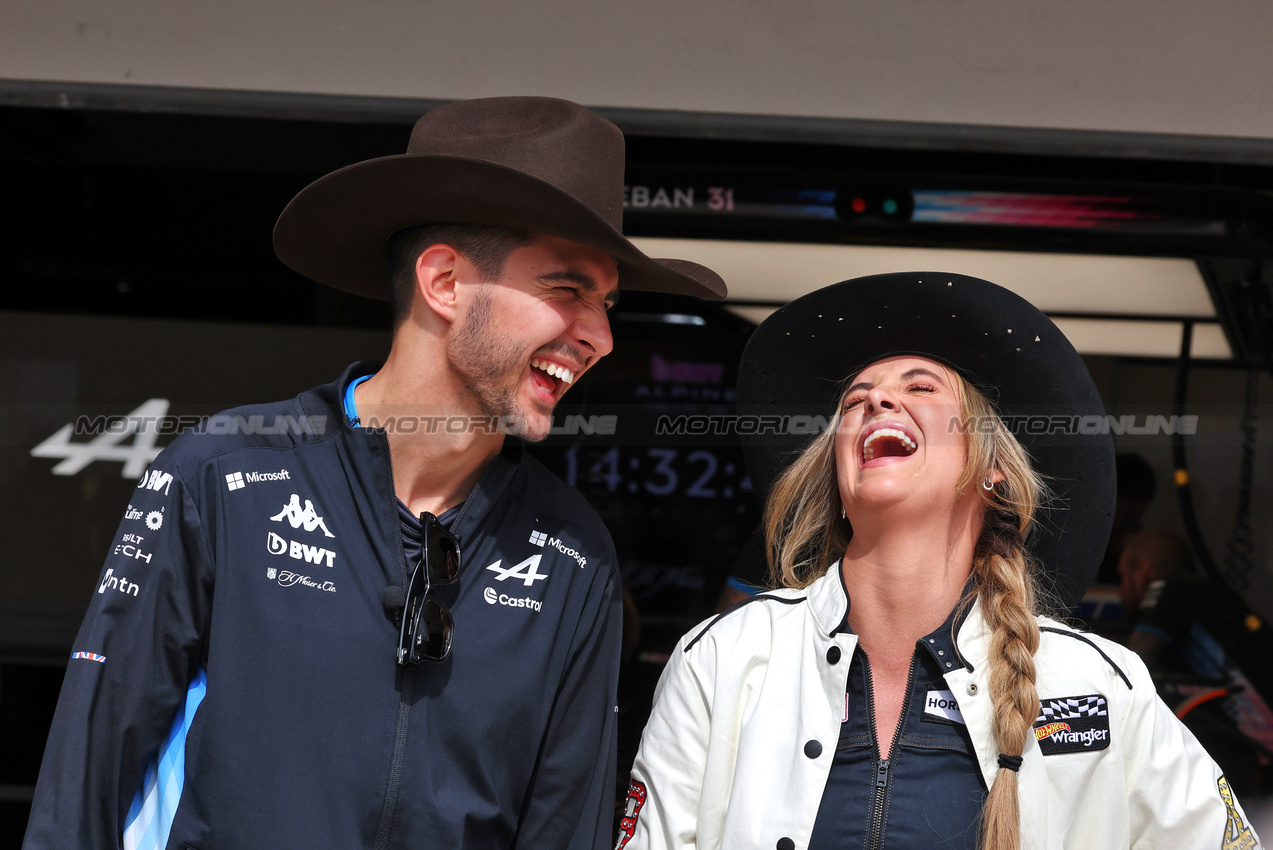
(436, 271)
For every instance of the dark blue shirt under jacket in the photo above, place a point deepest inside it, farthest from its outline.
(929, 793)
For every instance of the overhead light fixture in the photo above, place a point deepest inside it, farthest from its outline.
(1127, 306)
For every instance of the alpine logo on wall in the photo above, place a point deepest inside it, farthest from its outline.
(109, 440)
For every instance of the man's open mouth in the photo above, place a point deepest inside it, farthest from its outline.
(558, 376)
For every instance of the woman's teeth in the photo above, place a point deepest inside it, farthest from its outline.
(553, 369)
(868, 450)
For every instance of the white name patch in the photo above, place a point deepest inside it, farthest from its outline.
(942, 704)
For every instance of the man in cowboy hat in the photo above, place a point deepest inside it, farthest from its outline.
(387, 626)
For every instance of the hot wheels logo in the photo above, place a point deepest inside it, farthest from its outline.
(1049, 730)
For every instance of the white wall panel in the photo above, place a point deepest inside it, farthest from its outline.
(1156, 66)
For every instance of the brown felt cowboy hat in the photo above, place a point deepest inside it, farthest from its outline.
(533, 163)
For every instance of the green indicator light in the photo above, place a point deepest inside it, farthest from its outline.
(890, 206)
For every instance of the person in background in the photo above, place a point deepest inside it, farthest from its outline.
(374, 621)
(1137, 485)
(1208, 663)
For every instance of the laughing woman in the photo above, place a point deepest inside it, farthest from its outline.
(901, 689)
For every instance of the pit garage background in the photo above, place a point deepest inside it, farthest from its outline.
(1112, 165)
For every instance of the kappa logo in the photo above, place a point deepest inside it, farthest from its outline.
(631, 811)
(307, 518)
(300, 551)
(942, 707)
(527, 571)
(1072, 725)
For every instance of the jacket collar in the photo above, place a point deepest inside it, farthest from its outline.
(829, 604)
(829, 601)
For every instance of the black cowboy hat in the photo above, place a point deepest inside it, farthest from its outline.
(796, 361)
(533, 163)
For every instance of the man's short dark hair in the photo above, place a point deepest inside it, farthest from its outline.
(485, 246)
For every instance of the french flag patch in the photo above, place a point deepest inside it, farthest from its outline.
(89, 656)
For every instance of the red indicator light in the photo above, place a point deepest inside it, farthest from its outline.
(859, 205)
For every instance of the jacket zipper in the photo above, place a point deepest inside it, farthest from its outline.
(883, 766)
(408, 676)
(408, 684)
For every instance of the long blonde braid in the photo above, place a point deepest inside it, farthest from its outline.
(1005, 581)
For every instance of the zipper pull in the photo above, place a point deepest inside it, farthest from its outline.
(881, 773)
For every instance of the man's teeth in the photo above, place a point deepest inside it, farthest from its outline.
(868, 451)
(554, 370)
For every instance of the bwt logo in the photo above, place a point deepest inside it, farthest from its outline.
(300, 551)
(153, 479)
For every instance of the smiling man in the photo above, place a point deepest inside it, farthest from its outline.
(388, 627)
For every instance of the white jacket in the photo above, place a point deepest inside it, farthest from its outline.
(723, 761)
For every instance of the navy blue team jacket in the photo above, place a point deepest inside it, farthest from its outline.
(264, 559)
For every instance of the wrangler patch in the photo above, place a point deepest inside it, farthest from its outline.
(1072, 725)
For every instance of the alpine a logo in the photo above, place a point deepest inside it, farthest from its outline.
(527, 571)
(307, 518)
(300, 551)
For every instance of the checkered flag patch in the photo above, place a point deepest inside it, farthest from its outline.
(1072, 708)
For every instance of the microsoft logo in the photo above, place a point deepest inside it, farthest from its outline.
(235, 481)
(538, 538)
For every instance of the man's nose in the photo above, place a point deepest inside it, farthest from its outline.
(592, 333)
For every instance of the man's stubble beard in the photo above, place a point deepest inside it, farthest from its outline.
(491, 368)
